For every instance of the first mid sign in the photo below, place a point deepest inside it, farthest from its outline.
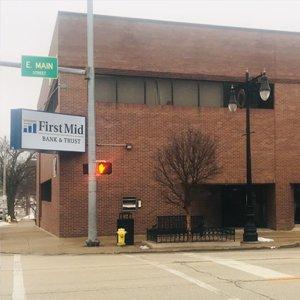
(39, 66)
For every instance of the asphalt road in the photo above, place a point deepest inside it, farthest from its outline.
(258, 274)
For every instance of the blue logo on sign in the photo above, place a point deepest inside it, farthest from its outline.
(29, 126)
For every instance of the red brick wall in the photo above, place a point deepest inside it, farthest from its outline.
(192, 50)
(147, 128)
(48, 212)
(186, 51)
(287, 147)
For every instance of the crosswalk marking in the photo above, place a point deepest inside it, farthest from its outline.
(1, 288)
(245, 267)
(184, 276)
(18, 283)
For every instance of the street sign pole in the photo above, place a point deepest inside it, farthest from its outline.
(60, 69)
(92, 240)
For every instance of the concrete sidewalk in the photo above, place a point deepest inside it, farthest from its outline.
(26, 238)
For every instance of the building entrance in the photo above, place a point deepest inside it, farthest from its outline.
(297, 203)
(234, 208)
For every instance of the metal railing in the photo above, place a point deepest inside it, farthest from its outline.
(209, 234)
(173, 229)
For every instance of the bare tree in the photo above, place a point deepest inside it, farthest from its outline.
(187, 162)
(20, 172)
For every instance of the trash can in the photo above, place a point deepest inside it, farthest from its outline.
(126, 221)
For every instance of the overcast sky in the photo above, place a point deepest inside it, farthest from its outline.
(26, 28)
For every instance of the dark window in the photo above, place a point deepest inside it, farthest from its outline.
(152, 95)
(105, 88)
(185, 92)
(130, 89)
(256, 101)
(46, 190)
(166, 91)
(53, 97)
(297, 203)
(211, 93)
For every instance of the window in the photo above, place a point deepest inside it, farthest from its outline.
(46, 190)
(164, 91)
(211, 93)
(130, 90)
(105, 88)
(152, 95)
(167, 91)
(185, 92)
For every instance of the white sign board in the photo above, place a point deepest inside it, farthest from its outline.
(39, 130)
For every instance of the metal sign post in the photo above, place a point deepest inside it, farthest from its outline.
(92, 240)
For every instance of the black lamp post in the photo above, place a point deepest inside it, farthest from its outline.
(247, 91)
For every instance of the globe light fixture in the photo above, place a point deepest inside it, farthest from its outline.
(232, 105)
(264, 90)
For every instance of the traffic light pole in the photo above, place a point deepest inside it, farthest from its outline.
(92, 240)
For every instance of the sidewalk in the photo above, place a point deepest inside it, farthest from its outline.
(26, 238)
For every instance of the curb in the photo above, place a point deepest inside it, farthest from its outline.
(162, 250)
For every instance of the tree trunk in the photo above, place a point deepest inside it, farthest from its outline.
(27, 206)
(188, 220)
(11, 206)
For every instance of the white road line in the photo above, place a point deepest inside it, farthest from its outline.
(245, 267)
(18, 284)
(183, 276)
(1, 289)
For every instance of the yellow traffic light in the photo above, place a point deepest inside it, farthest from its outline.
(103, 168)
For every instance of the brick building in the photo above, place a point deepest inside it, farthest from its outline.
(154, 78)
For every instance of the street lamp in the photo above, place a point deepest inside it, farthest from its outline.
(247, 91)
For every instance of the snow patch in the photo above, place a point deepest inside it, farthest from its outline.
(265, 240)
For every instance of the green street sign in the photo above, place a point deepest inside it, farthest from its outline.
(39, 66)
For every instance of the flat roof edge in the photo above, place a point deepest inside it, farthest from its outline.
(178, 23)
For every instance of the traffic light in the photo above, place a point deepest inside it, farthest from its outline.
(103, 168)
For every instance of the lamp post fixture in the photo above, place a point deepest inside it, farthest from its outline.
(247, 91)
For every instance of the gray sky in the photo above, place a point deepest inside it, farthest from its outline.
(26, 28)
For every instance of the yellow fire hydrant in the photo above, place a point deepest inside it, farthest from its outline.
(121, 237)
